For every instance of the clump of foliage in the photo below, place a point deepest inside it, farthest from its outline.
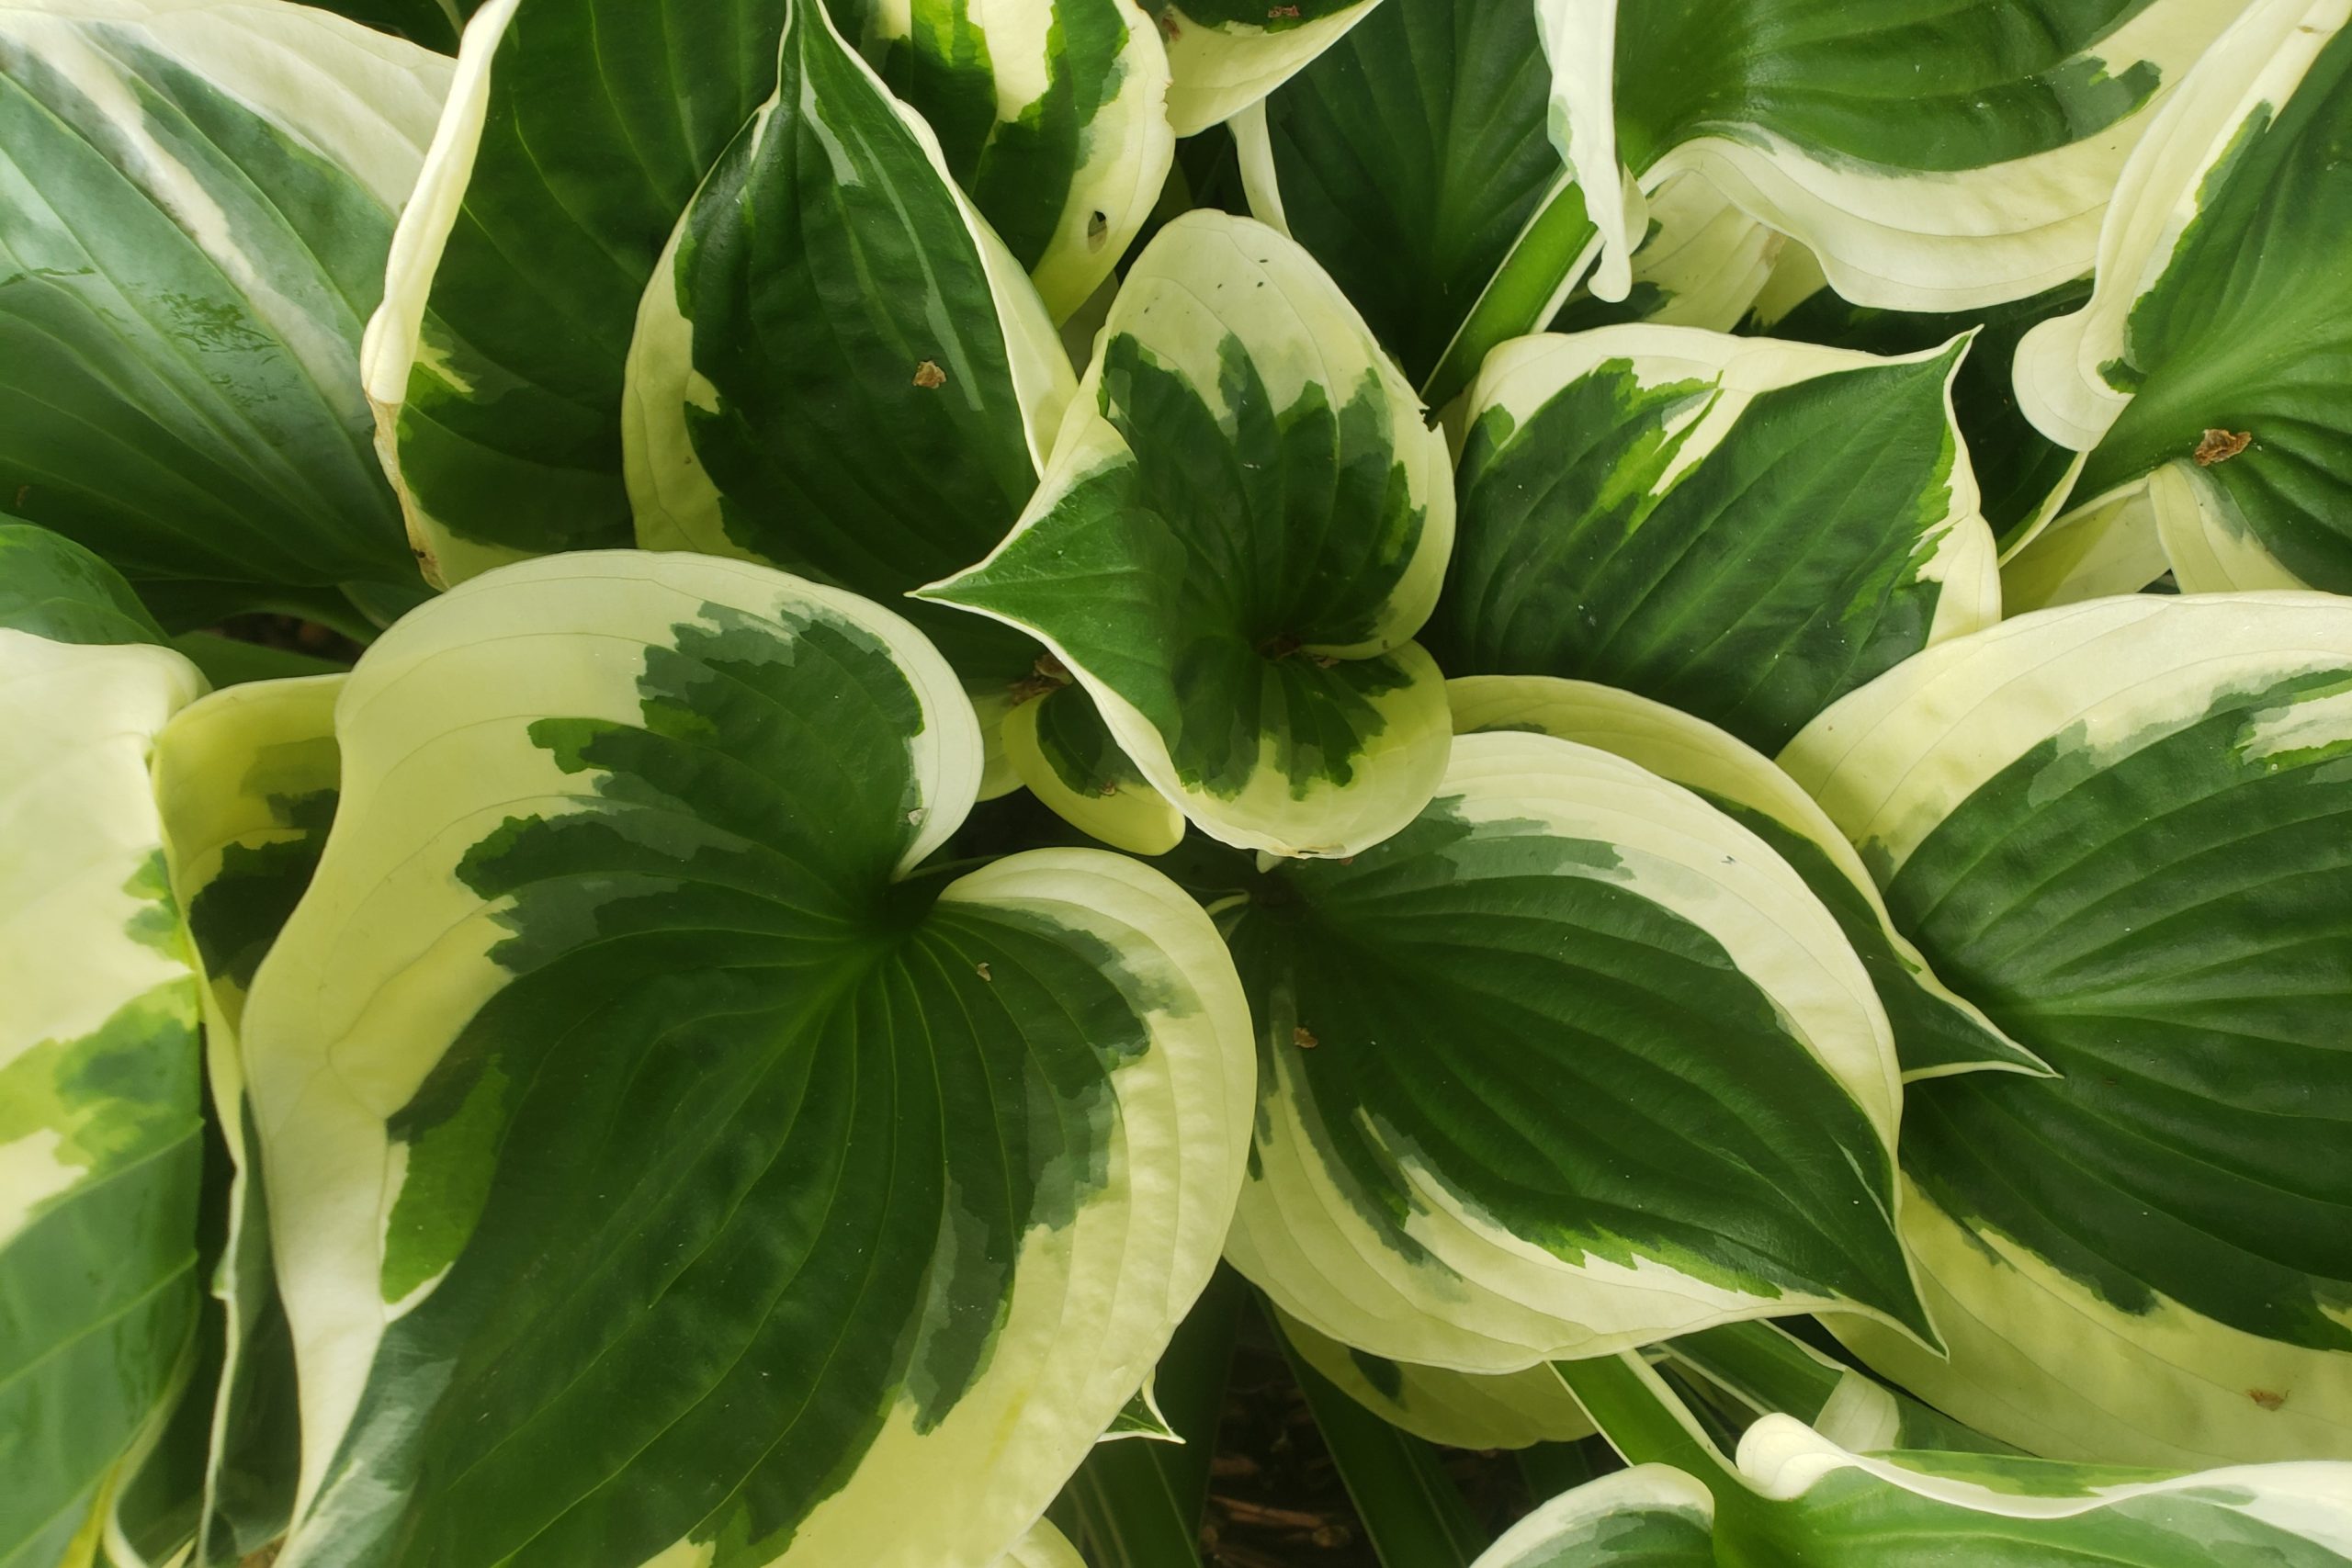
(1567, 676)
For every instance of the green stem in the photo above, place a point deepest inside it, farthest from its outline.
(1644, 1421)
(1762, 1366)
(1414, 1513)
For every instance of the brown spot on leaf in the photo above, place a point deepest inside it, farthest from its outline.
(929, 375)
(1167, 27)
(2269, 1399)
(1322, 661)
(1107, 788)
(1280, 13)
(2221, 446)
(1048, 674)
(1282, 645)
(1302, 1039)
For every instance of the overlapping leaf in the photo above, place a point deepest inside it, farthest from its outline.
(1051, 114)
(1935, 156)
(195, 203)
(2208, 379)
(1224, 55)
(1244, 522)
(101, 1147)
(53, 588)
(1411, 161)
(1466, 1410)
(839, 368)
(2121, 829)
(1743, 528)
(574, 135)
(1936, 1033)
(734, 1193)
(1575, 1062)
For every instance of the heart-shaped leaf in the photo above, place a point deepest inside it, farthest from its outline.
(1575, 1062)
(1244, 522)
(734, 1191)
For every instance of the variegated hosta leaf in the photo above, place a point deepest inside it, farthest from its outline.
(1410, 160)
(574, 135)
(1244, 523)
(1799, 1499)
(1464, 1410)
(2210, 377)
(2022, 476)
(662, 1173)
(101, 1148)
(1051, 114)
(1224, 55)
(1934, 1032)
(2124, 830)
(1702, 262)
(247, 779)
(1742, 527)
(195, 200)
(1935, 155)
(838, 367)
(1060, 748)
(52, 588)
(1573, 1063)
(1651, 1516)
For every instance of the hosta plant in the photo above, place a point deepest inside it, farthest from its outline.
(1627, 721)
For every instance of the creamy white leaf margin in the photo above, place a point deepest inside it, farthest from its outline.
(2174, 516)
(1125, 149)
(1695, 754)
(1587, 1528)
(344, 1025)
(1462, 1410)
(1902, 239)
(2035, 1357)
(1523, 374)
(1218, 70)
(1479, 1299)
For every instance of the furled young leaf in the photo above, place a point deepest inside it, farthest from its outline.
(1769, 1370)
(1573, 1061)
(661, 1169)
(1797, 1497)
(1701, 262)
(1051, 114)
(1410, 160)
(1935, 155)
(1244, 522)
(2022, 476)
(195, 202)
(1934, 1032)
(247, 780)
(2210, 377)
(1224, 55)
(2121, 829)
(574, 134)
(101, 1146)
(1463, 1410)
(838, 369)
(1744, 528)
(53, 588)
(1060, 748)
